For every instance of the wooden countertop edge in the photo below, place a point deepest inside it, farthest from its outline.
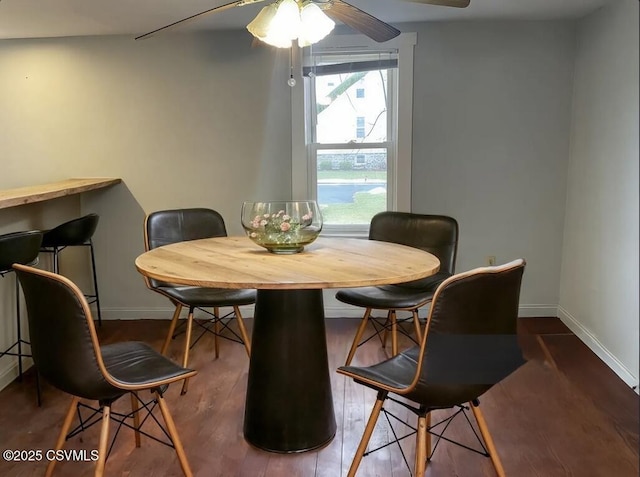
(53, 190)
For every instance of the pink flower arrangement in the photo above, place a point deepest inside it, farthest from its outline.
(278, 223)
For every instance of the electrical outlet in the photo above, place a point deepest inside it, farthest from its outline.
(491, 260)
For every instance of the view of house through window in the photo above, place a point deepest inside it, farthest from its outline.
(352, 133)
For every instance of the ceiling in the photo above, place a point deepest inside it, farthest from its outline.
(55, 18)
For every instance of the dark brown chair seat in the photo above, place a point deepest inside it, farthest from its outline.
(436, 234)
(68, 355)
(208, 297)
(469, 345)
(387, 297)
(149, 364)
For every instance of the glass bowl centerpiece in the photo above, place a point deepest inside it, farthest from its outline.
(282, 226)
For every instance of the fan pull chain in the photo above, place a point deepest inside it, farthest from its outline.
(292, 81)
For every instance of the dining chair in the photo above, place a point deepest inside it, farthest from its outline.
(436, 234)
(68, 355)
(165, 227)
(468, 346)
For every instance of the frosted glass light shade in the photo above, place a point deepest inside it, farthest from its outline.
(262, 27)
(259, 26)
(315, 25)
(285, 20)
(285, 25)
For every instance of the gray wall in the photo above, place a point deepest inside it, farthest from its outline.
(492, 107)
(599, 279)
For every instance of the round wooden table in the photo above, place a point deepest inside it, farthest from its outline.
(289, 405)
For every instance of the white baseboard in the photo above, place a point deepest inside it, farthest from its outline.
(160, 313)
(10, 373)
(524, 311)
(538, 311)
(598, 348)
(332, 309)
(166, 313)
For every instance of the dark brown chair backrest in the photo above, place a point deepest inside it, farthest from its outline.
(436, 234)
(165, 227)
(63, 339)
(74, 232)
(482, 301)
(471, 329)
(19, 247)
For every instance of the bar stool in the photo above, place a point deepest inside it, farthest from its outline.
(22, 248)
(74, 233)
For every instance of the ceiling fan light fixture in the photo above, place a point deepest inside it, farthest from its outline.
(285, 20)
(314, 24)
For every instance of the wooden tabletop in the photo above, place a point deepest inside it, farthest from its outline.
(236, 262)
(53, 190)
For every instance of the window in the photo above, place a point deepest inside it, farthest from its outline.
(349, 153)
(360, 127)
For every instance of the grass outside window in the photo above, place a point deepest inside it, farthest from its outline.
(360, 211)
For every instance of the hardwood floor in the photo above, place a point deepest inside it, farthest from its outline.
(563, 413)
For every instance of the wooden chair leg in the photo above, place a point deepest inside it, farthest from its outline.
(187, 345)
(358, 337)
(216, 330)
(243, 330)
(427, 445)
(104, 440)
(364, 442)
(136, 417)
(416, 325)
(172, 328)
(421, 447)
(62, 437)
(394, 333)
(386, 329)
(482, 425)
(171, 429)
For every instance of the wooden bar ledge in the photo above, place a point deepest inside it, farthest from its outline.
(53, 190)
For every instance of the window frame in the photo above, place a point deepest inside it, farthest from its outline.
(303, 176)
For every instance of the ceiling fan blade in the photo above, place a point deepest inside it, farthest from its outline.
(184, 21)
(361, 21)
(444, 3)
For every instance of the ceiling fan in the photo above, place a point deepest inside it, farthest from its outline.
(335, 10)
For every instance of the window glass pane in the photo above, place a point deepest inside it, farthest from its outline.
(351, 184)
(338, 109)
